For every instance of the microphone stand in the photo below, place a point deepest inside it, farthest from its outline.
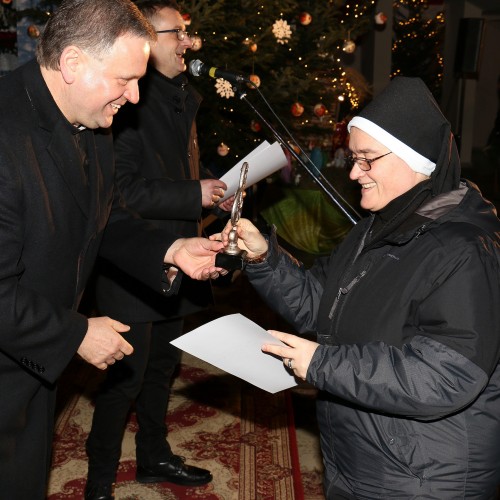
(334, 196)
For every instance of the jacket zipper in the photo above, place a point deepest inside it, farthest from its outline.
(420, 230)
(344, 291)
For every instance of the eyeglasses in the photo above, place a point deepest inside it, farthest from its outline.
(364, 164)
(181, 35)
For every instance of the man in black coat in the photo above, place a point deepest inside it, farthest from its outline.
(58, 210)
(158, 173)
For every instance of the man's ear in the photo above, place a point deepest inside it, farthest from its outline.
(70, 60)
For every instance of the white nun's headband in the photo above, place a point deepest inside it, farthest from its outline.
(415, 160)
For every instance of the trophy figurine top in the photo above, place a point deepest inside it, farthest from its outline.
(232, 257)
(232, 248)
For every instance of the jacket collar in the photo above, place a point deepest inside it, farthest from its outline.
(434, 211)
(58, 133)
(173, 91)
(443, 203)
(45, 109)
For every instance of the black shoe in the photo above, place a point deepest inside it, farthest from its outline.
(99, 491)
(173, 471)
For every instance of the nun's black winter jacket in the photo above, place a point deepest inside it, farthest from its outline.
(408, 362)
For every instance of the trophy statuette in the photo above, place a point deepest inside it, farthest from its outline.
(232, 257)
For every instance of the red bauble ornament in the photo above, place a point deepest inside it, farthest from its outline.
(33, 31)
(255, 80)
(380, 18)
(297, 109)
(340, 134)
(255, 126)
(305, 18)
(252, 46)
(187, 19)
(319, 110)
(222, 149)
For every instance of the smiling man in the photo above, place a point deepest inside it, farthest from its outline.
(91, 78)
(59, 209)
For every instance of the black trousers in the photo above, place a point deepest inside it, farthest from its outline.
(144, 377)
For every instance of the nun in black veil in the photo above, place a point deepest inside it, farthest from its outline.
(405, 313)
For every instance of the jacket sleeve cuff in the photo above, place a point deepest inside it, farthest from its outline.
(170, 279)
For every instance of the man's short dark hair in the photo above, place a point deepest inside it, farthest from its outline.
(150, 7)
(91, 25)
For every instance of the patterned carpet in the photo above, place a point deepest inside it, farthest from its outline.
(245, 436)
(259, 446)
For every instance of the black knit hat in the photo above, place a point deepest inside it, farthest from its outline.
(406, 118)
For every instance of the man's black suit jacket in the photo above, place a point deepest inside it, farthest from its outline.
(52, 227)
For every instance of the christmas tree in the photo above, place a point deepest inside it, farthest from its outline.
(7, 35)
(297, 53)
(418, 42)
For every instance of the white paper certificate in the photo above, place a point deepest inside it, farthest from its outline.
(263, 161)
(232, 343)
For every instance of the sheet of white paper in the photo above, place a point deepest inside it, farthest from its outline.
(232, 343)
(263, 161)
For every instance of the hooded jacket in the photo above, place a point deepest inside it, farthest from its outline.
(409, 331)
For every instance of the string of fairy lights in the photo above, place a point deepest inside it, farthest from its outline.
(335, 78)
(327, 64)
(325, 69)
(415, 26)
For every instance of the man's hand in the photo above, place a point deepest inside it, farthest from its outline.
(212, 190)
(103, 345)
(227, 205)
(196, 257)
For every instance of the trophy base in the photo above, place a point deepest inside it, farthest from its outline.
(230, 262)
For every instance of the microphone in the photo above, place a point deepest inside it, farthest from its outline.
(197, 68)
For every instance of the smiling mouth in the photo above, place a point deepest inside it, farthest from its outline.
(368, 185)
(116, 107)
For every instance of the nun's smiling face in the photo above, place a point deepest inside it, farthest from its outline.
(388, 178)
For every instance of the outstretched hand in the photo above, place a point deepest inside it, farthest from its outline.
(297, 353)
(196, 257)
